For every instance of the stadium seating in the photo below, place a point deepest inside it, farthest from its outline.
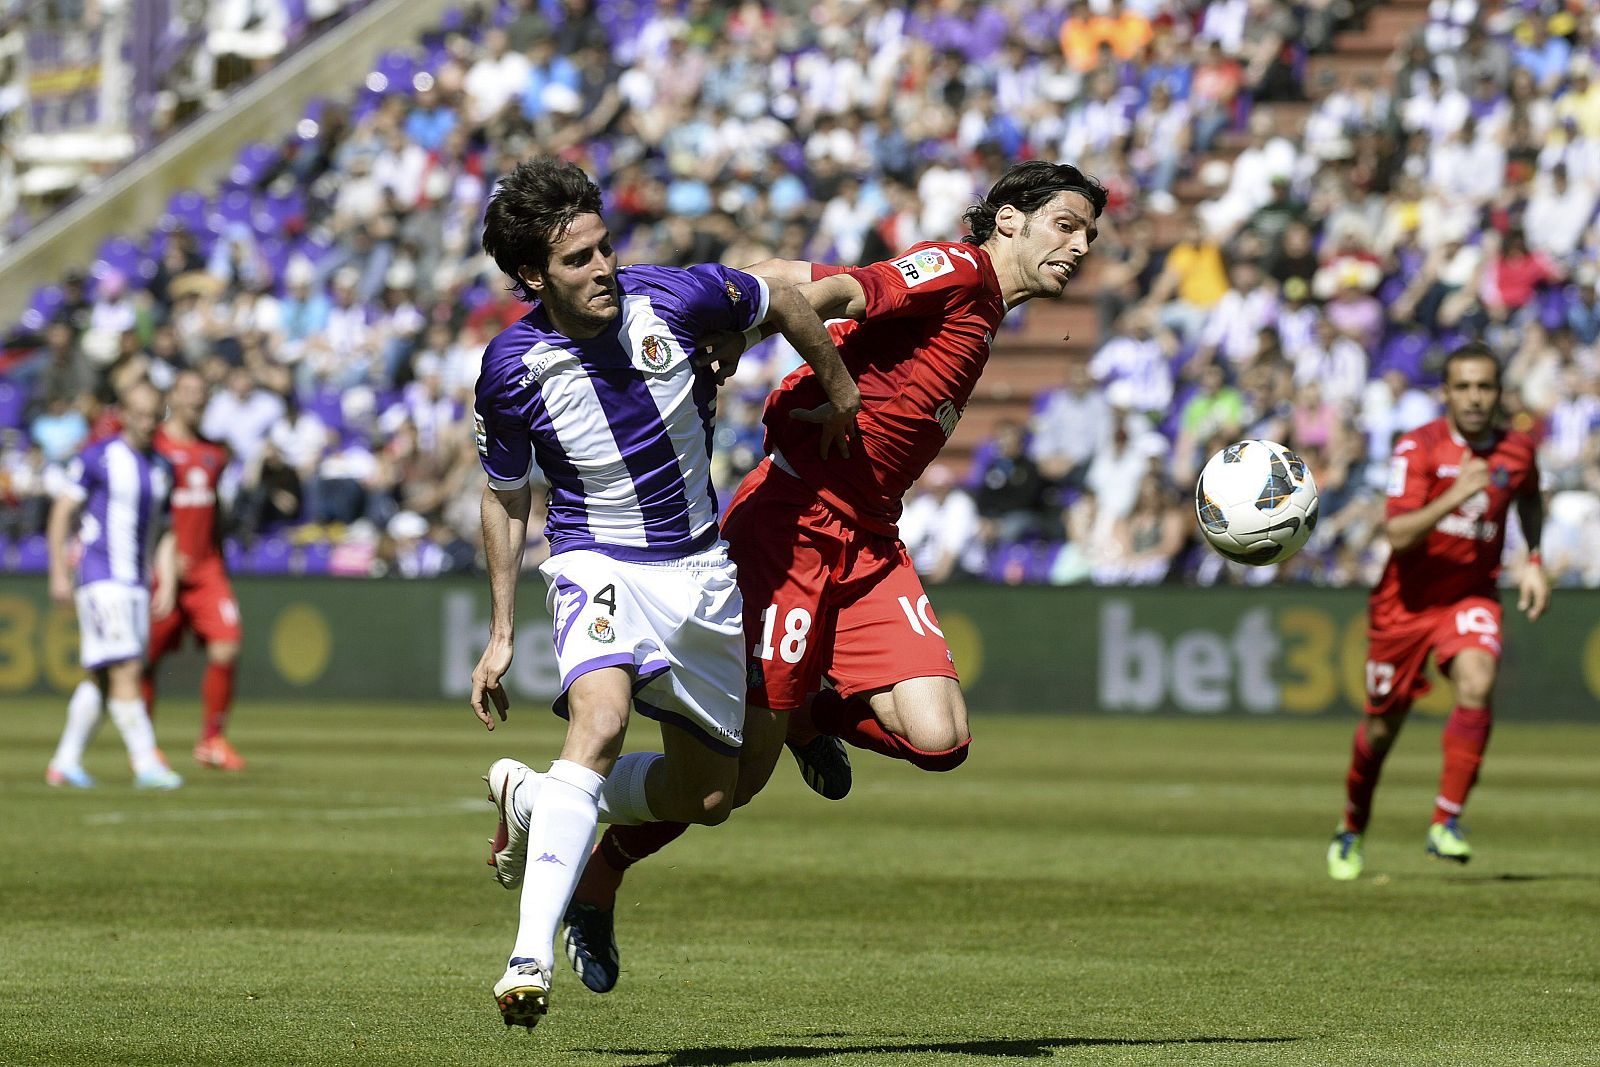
(348, 201)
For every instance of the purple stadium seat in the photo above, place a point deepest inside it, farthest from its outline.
(254, 161)
(232, 555)
(121, 255)
(188, 209)
(236, 205)
(33, 555)
(13, 403)
(47, 300)
(270, 555)
(314, 558)
(392, 73)
(280, 215)
(276, 251)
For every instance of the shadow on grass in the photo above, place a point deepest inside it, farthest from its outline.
(1486, 878)
(1031, 1048)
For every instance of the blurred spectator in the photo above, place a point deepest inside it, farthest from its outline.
(1010, 491)
(940, 527)
(1070, 424)
(1147, 540)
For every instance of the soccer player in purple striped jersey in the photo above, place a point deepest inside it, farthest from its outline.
(120, 486)
(596, 387)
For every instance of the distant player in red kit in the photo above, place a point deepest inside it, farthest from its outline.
(1451, 484)
(829, 590)
(206, 605)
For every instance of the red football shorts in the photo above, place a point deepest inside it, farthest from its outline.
(823, 597)
(1398, 654)
(206, 607)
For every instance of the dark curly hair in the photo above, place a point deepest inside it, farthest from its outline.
(529, 211)
(1029, 187)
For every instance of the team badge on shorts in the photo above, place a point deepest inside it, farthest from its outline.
(754, 676)
(602, 630)
(655, 353)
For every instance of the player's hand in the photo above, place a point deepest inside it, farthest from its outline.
(1533, 594)
(486, 687)
(720, 353)
(837, 427)
(1473, 476)
(60, 587)
(163, 600)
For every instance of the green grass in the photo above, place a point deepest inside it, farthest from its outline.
(1086, 890)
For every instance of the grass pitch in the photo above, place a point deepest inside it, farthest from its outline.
(1086, 890)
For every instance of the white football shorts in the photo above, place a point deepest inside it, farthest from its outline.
(113, 623)
(678, 625)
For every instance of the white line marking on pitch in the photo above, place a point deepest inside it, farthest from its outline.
(415, 811)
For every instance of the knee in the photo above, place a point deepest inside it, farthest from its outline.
(222, 653)
(715, 805)
(943, 759)
(946, 736)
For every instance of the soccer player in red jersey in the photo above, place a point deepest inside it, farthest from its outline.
(829, 590)
(206, 605)
(1451, 484)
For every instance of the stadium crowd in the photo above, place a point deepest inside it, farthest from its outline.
(334, 292)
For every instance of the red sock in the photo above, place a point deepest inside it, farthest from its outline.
(147, 689)
(1366, 764)
(1466, 735)
(216, 694)
(619, 848)
(852, 720)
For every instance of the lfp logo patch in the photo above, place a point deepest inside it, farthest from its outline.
(921, 266)
(655, 353)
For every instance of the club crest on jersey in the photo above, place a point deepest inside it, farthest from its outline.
(732, 291)
(1501, 477)
(924, 265)
(602, 630)
(655, 353)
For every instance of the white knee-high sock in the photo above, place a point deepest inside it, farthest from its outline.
(134, 724)
(83, 718)
(560, 835)
(622, 798)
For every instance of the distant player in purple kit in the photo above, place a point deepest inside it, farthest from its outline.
(120, 485)
(595, 385)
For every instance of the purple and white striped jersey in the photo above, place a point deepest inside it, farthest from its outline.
(125, 495)
(619, 424)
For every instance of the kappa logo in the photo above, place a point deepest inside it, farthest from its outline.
(923, 266)
(655, 352)
(602, 630)
(550, 857)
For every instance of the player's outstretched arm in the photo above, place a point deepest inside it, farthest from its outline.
(62, 513)
(795, 317)
(166, 591)
(505, 532)
(1533, 586)
(1409, 529)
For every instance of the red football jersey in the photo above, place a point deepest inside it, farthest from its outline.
(196, 467)
(1460, 557)
(931, 315)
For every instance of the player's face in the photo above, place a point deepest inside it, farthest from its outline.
(1471, 395)
(187, 400)
(1053, 241)
(140, 410)
(579, 287)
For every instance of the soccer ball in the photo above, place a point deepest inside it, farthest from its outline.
(1257, 502)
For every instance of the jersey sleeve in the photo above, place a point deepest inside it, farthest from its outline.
(717, 299)
(1409, 478)
(820, 271)
(505, 445)
(918, 283)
